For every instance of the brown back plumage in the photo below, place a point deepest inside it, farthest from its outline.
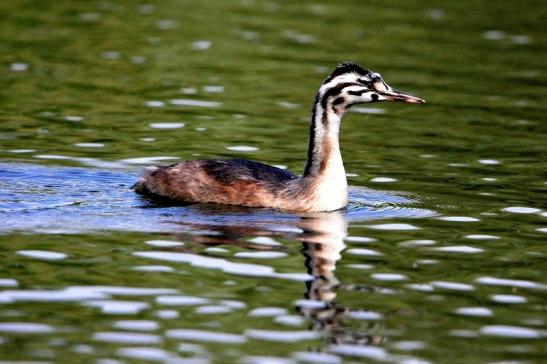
(233, 181)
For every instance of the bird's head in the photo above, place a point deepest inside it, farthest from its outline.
(349, 84)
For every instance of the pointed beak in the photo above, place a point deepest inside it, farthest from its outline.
(395, 95)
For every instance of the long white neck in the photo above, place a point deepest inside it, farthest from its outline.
(325, 168)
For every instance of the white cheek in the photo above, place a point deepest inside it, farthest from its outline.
(366, 97)
(336, 81)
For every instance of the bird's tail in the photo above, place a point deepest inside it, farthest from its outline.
(141, 186)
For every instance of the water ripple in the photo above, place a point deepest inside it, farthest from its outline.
(69, 200)
(208, 336)
(136, 325)
(510, 331)
(127, 337)
(196, 103)
(148, 354)
(25, 328)
(118, 307)
(244, 269)
(281, 336)
(42, 254)
(510, 283)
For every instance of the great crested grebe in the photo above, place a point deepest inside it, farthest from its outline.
(323, 185)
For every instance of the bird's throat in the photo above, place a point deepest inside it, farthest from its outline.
(324, 168)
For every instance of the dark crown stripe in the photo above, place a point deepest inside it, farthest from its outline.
(347, 67)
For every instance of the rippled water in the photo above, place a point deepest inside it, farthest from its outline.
(439, 257)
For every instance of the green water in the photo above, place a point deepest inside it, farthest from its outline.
(440, 260)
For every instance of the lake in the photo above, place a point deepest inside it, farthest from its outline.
(439, 257)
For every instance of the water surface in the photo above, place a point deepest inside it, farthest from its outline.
(439, 257)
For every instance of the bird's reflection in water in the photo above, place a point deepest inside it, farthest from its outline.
(322, 237)
(323, 241)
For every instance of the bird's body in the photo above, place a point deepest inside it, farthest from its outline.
(240, 182)
(323, 185)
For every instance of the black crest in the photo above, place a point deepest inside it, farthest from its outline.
(347, 67)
